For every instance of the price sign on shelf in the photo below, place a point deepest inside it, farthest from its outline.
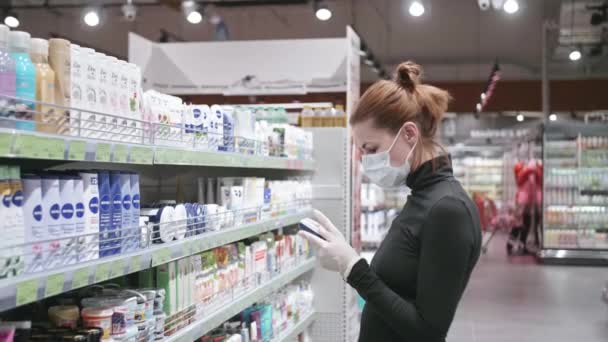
(78, 150)
(54, 285)
(161, 256)
(27, 292)
(103, 152)
(141, 155)
(28, 146)
(54, 147)
(5, 143)
(117, 269)
(135, 263)
(120, 154)
(80, 278)
(102, 272)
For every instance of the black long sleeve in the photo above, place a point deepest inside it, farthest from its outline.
(421, 270)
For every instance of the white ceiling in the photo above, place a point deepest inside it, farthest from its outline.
(454, 40)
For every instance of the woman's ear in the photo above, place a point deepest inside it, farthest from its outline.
(410, 132)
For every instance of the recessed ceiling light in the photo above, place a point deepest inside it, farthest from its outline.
(416, 9)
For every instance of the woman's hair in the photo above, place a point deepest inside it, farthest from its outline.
(392, 103)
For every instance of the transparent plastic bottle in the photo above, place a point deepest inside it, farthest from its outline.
(47, 118)
(7, 78)
(25, 77)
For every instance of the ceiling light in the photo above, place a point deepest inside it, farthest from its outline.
(520, 117)
(129, 11)
(322, 12)
(11, 20)
(194, 17)
(191, 11)
(91, 17)
(416, 9)
(511, 6)
(575, 55)
(552, 117)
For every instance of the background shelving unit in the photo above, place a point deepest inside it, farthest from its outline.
(171, 172)
(575, 215)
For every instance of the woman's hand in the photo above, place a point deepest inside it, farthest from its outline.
(335, 254)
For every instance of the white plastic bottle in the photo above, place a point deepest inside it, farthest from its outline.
(91, 216)
(76, 89)
(113, 97)
(51, 204)
(123, 100)
(135, 101)
(68, 223)
(90, 125)
(104, 83)
(34, 230)
(79, 217)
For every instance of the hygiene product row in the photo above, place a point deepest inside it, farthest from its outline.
(63, 88)
(266, 320)
(222, 128)
(199, 285)
(53, 219)
(158, 302)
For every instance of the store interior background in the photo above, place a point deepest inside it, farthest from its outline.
(509, 298)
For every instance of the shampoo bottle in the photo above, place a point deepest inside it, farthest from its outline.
(25, 77)
(60, 62)
(47, 117)
(7, 78)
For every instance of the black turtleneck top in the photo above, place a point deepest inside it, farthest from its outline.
(418, 275)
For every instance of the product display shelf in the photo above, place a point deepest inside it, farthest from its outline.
(291, 334)
(28, 288)
(201, 327)
(575, 215)
(74, 138)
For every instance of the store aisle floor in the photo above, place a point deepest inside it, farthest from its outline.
(519, 301)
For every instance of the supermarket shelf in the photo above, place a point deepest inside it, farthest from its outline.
(589, 192)
(36, 145)
(200, 328)
(573, 256)
(292, 333)
(29, 288)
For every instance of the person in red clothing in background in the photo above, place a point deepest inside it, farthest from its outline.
(528, 202)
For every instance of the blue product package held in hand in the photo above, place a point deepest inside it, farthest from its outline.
(311, 226)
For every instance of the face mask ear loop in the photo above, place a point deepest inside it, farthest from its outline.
(395, 140)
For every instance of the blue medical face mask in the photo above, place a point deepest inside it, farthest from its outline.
(377, 167)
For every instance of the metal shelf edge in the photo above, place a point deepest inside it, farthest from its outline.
(297, 329)
(20, 290)
(71, 149)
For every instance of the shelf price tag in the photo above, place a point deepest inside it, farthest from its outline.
(141, 155)
(5, 143)
(54, 147)
(103, 152)
(135, 263)
(78, 150)
(27, 292)
(161, 256)
(102, 272)
(28, 146)
(54, 285)
(80, 278)
(117, 269)
(120, 154)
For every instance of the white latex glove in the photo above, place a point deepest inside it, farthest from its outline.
(335, 254)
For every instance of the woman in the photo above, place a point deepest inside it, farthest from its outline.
(418, 274)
